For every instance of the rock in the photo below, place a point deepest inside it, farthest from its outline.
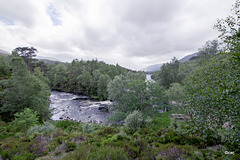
(89, 116)
(83, 98)
(180, 117)
(103, 108)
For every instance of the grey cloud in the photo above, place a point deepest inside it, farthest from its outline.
(18, 11)
(131, 32)
(144, 12)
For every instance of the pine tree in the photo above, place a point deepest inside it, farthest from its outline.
(25, 91)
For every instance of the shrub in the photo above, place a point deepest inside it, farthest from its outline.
(87, 128)
(108, 153)
(70, 146)
(134, 121)
(47, 127)
(25, 119)
(107, 131)
(68, 125)
(213, 98)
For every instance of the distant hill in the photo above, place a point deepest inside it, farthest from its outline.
(157, 67)
(186, 58)
(4, 53)
(153, 68)
(45, 60)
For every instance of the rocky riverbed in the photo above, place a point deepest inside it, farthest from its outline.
(68, 106)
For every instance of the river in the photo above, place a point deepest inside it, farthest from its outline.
(68, 106)
(149, 78)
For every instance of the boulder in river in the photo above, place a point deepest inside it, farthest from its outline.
(82, 98)
(103, 108)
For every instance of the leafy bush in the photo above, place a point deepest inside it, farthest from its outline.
(107, 131)
(70, 146)
(47, 127)
(175, 92)
(88, 128)
(213, 96)
(25, 119)
(108, 153)
(68, 126)
(136, 120)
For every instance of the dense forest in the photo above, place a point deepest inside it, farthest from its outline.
(190, 111)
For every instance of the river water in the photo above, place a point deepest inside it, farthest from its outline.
(149, 77)
(68, 106)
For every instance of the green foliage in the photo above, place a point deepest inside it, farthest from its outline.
(116, 88)
(94, 82)
(110, 142)
(4, 69)
(46, 128)
(27, 53)
(70, 146)
(25, 119)
(130, 93)
(58, 77)
(230, 32)
(84, 77)
(68, 126)
(84, 82)
(88, 128)
(210, 49)
(135, 121)
(161, 121)
(175, 93)
(6, 130)
(107, 131)
(25, 91)
(102, 86)
(168, 74)
(159, 98)
(213, 96)
(108, 153)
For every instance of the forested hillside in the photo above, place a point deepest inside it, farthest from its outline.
(84, 77)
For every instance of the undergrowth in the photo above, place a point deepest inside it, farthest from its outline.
(66, 140)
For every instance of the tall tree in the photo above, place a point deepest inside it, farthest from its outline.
(27, 53)
(25, 91)
(169, 73)
(158, 96)
(4, 68)
(213, 91)
(84, 82)
(102, 86)
(213, 98)
(94, 82)
(128, 93)
(230, 31)
(210, 49)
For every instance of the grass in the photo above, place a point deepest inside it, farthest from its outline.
(163, 120)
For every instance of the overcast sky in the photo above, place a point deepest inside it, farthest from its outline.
(132, 33)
